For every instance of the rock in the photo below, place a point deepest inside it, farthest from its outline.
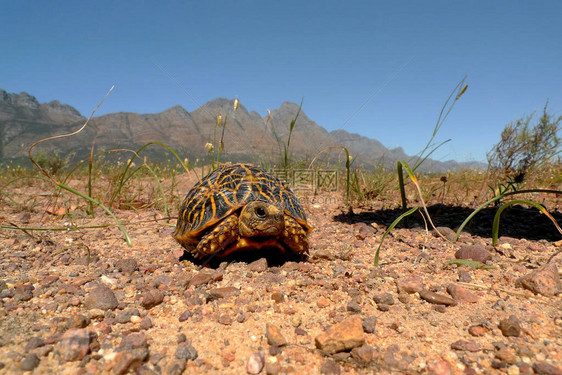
(185, 315)
(330, 367)
(201, 279)
(126, 315)
(23, 294)
(384, 299)
(544, 280)
(474, 252)
(152, 298)
(410, 284)
(445, 231)
(225, 319)
(461, 294)
(146, 323)
(163, 279)
(181, 338)
(324, 253)
(369, 324)
(436, 298)
(134, 341)
(77, 321)
(30, 362)
(470, 346)
(127, 265)
(272, 366)
(75, 344)
(259, 265)
(274, 335)
(186, 351)
(96, 314)
(440, 368)
(510, 326)
(363, 354)
(345, 335)
(255, 363)
(543, 368)
(383, 307)
(101, 298)
(175, 367)
(278, 297)
(464, 276)
(477, 331)
(506, 355)
(33, 343)
(322, 302)
(353, 307)
(225, 292)
(127, 361)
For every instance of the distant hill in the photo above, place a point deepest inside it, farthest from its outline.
(248, 135)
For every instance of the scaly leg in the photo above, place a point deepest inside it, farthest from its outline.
(224, 234)
(294, 236)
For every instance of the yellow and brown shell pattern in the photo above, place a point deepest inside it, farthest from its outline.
(209, 213)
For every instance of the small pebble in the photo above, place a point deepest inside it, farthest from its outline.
(436, 298)
(330, 367)
(259, 265)
(201, 279)
(353, 307)
(127, 265)
(474, 252)
(185, 315)
(545, 281)
(274, 335)
(384, 298)
(255, 363)
(101, 298)
(152, 298)
(186, 351)
(30, 362)
(410, 284)
(510, 326)
(345, 335)
(146, 323)
(544, 368)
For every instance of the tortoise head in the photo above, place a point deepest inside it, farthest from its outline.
(261, 219)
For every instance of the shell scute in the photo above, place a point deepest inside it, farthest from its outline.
(228, 188)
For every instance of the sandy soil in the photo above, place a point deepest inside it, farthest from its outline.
(84, 302)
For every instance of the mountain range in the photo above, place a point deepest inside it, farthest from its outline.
(247, 136)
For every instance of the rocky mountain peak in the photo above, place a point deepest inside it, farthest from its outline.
(23, 120)
(63, 109)
(21, 100)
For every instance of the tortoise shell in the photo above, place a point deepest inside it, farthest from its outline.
(225, 192)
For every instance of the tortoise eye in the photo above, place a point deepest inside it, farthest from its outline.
(260, 212)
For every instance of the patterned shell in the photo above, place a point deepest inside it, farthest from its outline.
(229, 188)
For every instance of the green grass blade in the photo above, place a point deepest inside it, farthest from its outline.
(470, 263)
(401, 185)
(107, 210)
(496, 223)
(166, 213)
(391, 227)
(57, 229)
(135, 154)
(497, 198)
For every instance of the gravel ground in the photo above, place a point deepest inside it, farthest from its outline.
(84, 302)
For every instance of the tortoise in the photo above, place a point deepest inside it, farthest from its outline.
(241, 207)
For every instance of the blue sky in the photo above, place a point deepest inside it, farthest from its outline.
(406, 56)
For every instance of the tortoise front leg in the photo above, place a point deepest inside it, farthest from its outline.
(224, 234)
(294, 236)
